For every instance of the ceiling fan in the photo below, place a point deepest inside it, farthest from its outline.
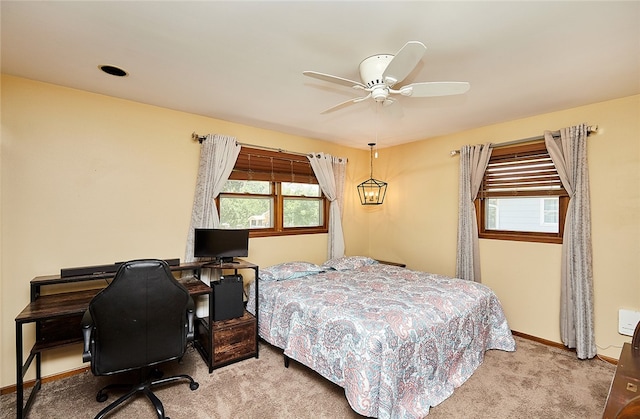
(380, 73)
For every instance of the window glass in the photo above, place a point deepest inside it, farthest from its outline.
(532, 214)
(301, 189)
(247, 186)
(551, 211)
(302, 212)
(246, 212)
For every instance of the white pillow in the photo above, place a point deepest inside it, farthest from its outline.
(289, 270)
(348, 262)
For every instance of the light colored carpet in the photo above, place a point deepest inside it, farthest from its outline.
(536, 381)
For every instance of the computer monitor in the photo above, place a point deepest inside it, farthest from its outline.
(220, 244)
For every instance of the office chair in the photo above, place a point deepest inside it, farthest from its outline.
(142, 318)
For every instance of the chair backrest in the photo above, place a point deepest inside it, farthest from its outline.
(140, 319)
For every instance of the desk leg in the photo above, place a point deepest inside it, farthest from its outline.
(257, 310)
(210, 325)
(19, 376)
(21, 370)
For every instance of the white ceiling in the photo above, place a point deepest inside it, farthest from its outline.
(243, 61)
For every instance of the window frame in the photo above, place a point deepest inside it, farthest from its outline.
(480, 202)
(276, 167)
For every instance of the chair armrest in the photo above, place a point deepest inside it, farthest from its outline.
(87, 328)
(191, 310)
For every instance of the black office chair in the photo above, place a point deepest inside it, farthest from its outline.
(143, 318)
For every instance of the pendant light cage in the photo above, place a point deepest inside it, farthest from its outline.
(372, 191)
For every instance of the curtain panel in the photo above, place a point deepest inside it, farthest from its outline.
(569, 155)
(218, 155)
(332, 184)
(473, 163)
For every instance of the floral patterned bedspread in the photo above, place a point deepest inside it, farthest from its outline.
(398, 341)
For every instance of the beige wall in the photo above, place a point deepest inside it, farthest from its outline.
(90, 179)
(418, 225)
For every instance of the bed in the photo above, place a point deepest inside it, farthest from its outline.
(398, 341)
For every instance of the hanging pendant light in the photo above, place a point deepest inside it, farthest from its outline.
(372, 191)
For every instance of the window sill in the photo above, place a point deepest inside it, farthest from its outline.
(288, 232)
(522, 237)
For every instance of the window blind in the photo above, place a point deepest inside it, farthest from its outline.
(257, 164)
(525, 170)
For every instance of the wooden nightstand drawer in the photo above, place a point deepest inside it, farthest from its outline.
(233, 339)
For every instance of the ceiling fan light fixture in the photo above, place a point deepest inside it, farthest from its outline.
(380, 93)
(372, 191)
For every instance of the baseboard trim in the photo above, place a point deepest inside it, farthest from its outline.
(541, 340)
(28, 384)
(558, 345)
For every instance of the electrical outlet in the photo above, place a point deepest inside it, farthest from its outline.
(627, 321)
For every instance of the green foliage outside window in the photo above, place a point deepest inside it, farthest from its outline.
(250, 204)
(302, 212)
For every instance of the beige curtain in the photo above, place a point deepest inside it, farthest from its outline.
(473, 163)
(218, 155)
(569, 155)
(325, 167)
(339, 165)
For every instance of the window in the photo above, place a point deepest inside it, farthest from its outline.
(521, 196)
(273, 193)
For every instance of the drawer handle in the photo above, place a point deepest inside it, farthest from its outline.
(632, 387)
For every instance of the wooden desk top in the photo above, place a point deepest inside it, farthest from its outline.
(57, 305)
(236, 264)
(44, 280)
(58, 279)
(69, 303)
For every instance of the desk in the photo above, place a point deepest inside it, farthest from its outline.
(57, 318)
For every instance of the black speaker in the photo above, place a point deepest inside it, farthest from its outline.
(90, 270)
(227, 298)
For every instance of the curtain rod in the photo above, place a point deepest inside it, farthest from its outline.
(590, 129)
(201, 138)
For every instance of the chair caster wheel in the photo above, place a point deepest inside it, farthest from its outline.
(194, 386)
(101, 397)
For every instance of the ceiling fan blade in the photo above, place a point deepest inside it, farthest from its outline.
(346, 103)
(438, 88)
(403, 62)
(334, 79)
